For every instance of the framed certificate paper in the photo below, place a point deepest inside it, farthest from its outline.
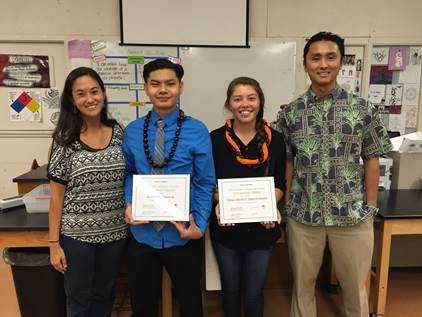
(161, 197)
(247, 200)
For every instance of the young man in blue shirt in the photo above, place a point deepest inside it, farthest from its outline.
(187, 150)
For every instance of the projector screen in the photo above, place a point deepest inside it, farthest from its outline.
(184, 22)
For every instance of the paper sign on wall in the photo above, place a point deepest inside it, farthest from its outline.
(410, 94)
(411, 74)
(25, 106)
(376, 94)
(393, 95)
(380, 75)
(379, 56)
(397, 122)
(396, 58)
(50, 99)
(30, 71)
(415, 55)
(411, 115)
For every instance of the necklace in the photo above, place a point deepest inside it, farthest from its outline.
(239, 156)
(167, 159)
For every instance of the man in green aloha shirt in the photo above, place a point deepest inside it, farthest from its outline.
(330, 196)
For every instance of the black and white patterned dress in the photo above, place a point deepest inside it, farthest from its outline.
(93, 209)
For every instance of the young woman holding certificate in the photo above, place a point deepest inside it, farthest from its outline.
(86, 170)
(246, 147)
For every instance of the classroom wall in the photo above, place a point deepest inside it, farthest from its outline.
(362, 22)
(360, 18)
(57, 18)
(268, 18)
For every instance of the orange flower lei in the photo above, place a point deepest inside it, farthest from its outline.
(239, 157)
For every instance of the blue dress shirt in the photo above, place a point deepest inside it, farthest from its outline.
(193, 156)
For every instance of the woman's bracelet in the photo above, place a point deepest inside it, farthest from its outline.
(53, 241)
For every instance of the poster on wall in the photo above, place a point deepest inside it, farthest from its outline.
(411, 94)
(25, 106)
(350, 74)
(410, 74)
(397, 122)
(376, 94)
(50, 101)
(411, 116)
(393, 95)
(30, 71)
(380, 75)
(379, 56)
(415, 55)
(396, 58)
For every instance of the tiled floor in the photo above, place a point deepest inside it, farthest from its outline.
(404, 297)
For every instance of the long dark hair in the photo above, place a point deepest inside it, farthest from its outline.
(70, 121)
(259, 124)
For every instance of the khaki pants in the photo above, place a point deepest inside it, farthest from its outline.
(351, 249)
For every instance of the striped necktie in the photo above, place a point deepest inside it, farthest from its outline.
(159, 159)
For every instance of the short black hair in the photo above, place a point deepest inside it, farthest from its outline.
(324, 36)
(162, 63)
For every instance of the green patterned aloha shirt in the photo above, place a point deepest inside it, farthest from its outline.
(326, 138)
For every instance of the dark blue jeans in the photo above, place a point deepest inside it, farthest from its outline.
(242, 273)
(89, 279)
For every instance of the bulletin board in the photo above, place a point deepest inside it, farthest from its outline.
(394, 85)
(44, 64)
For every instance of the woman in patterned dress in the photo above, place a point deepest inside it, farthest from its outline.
(87, 234)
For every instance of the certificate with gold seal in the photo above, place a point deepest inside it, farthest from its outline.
(161, 197)
(247, 200)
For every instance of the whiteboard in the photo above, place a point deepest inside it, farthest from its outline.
(208, 72)
(184, 22)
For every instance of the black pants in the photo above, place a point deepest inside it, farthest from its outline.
(89, 279)
(184, 265)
